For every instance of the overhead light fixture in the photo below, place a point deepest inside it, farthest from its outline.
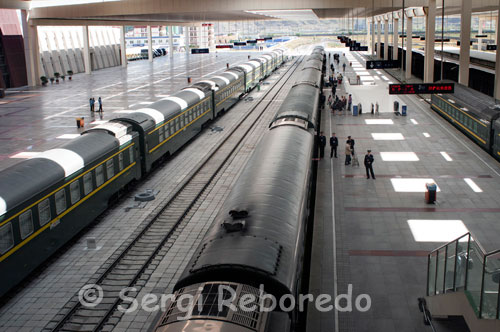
(52, 3)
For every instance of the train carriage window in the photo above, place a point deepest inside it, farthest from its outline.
(44, 212)
(120, 161)
(60, 201)
(99, 175)
(87, 183)
(74, 191)
(131, 154)
(475, 126)
(26, 224)
(110, 168)
(177, 124)
(6, 238)
(161, 135)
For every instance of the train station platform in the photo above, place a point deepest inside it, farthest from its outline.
(375, 234)
(42, 118)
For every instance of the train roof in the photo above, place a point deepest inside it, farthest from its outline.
(301, 102)
(24, 180)
(270, 201)
(474, 102)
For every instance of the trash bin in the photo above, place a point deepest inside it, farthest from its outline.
(355, 110)
(403, 110)
(430, 193)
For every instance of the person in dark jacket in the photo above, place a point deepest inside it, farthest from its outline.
(100, 104)
(351, 142)
(369, 164)
(92, 102)
(334, 142)
(322, 144)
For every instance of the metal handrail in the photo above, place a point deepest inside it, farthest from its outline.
(458, 263)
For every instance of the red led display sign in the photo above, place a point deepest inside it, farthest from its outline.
(424, 88)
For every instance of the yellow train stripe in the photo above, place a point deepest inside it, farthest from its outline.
(461, 125)
(32, 236)
(458, 109)
(178, 131)
(63, 186)
(187, 110)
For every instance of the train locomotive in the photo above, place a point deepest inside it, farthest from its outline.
(46, 200)
(255, 246)
(475, 114)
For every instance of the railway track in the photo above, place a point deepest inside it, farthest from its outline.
(132, 266)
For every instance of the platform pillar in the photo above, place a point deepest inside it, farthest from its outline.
(86, 50)
(480, 32)
(379, 32)
(150, 43)
(372, 30)
(395, 39)
(123, 46)
(30, 37)
(171, 41)
(187, 39)
(430, 35)
(386, 39)
(496, 92)
(409, 47)
(465, 22)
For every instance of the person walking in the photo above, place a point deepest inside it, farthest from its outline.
(343, 67)
(91, 102)
(347, 154)
(349, 103)
(334, 142)
(373, 108)
(322, 144)
(376, 107)
(369, 164)
(99, 100)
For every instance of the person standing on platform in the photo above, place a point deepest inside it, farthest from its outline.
(91, 102)
(348, 152)
(100, 104)
(369, 164)
(351, 143)
(343, 67)
(322, 144)
(349, 103)
(376, 107)
(334, 142)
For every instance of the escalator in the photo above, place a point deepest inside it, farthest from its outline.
(463, 284)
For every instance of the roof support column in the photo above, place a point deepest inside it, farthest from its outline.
(123, 46)
(430, 35)
(31, 50)
(386, 39)
(379, 28)
(372, 29)
(480, 32)
(367, 32)
(409, 47)
(497, 65)
(395, 39)
(150, 43)
(86, 49)
(171, 41)
(465, 22)
(187, 39)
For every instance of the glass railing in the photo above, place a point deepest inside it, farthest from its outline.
(463, 265)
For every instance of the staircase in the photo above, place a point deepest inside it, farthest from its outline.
(463, 280)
